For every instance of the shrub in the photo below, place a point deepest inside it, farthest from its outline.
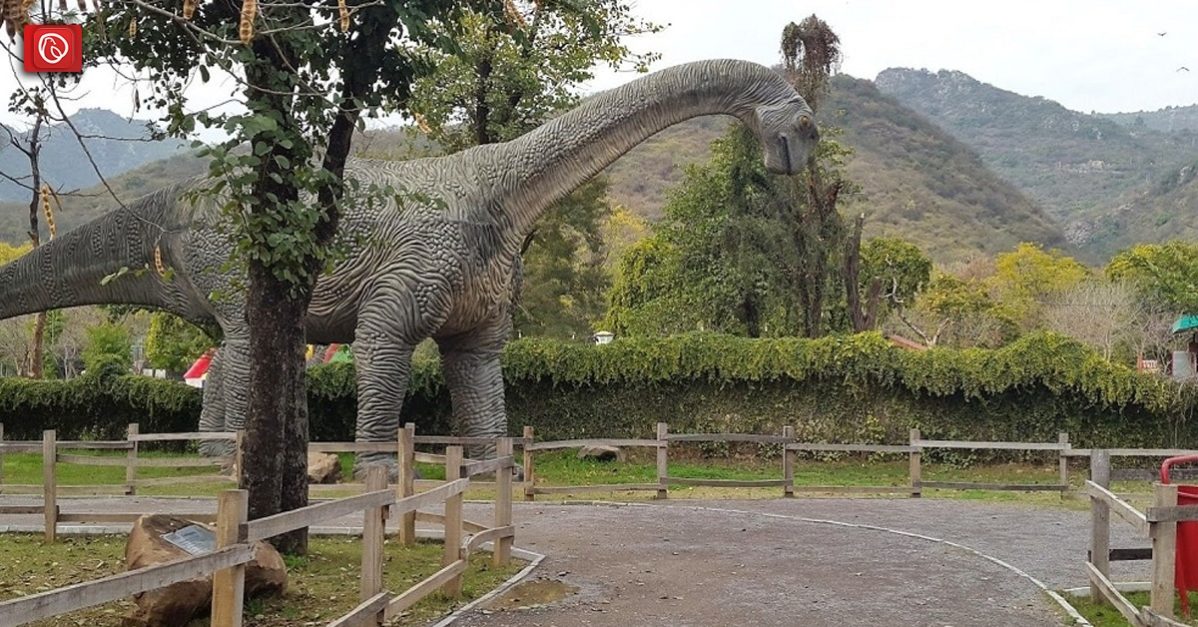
(855, 388)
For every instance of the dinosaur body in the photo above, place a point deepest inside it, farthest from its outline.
(440, 262)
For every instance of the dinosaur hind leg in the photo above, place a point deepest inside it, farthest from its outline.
(212, 412)
(470, 363)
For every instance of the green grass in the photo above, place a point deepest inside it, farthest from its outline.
(321, 586)
(1104, 615)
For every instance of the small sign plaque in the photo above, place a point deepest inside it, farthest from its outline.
(194, 539)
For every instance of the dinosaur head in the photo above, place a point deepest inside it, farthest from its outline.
(788, 135)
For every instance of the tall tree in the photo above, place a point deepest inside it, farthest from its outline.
(744, 251)
(1166, 274)
(1027, 278)
(516, 65)
(308, 73)
(31, 103)
(810, 57)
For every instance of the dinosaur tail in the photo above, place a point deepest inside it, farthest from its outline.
(109, 260)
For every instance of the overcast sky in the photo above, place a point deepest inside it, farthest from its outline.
(1103, 55)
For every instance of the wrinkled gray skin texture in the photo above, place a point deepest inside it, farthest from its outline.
(441, 266)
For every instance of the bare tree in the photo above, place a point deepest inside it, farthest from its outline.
(1101, 314)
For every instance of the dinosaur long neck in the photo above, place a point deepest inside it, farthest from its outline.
(545, 165)
(70, 270)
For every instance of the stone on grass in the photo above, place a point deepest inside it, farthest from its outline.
(323, 468)
(601, 453)
(179, 603)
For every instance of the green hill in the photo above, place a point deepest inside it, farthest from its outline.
(1082, 168)
(1167, 120)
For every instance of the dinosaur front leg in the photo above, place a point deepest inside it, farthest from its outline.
(383, 364)
(470, 363)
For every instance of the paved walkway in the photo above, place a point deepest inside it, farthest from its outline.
(774, 563)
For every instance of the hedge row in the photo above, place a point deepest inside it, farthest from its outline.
(851, 388)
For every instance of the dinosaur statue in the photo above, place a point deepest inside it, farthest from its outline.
(440, 267)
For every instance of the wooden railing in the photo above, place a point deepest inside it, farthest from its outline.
(235, 535)
(790, 445)
(1158, 523)
(51, 449)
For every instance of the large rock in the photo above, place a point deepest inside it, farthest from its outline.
(323, 468)
(179, 603)
(602, 453)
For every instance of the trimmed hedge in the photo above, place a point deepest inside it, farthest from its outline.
(848, 388)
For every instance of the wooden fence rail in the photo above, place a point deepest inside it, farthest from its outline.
(1159, 524)
(235, 535)
(914, 449)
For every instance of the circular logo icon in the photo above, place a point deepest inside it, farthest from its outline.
(52, 48)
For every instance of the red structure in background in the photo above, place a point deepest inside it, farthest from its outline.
(196, 373)
(1185, 573)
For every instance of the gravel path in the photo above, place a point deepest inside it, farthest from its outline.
(770, 563)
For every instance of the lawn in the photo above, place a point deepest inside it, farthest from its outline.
(1103, 615)
(321, 586)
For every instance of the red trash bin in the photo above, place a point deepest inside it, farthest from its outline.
(1185, 566)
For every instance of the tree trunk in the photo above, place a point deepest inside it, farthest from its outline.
(37, 357)
(276, 442)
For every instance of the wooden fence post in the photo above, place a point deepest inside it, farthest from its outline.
(50, 484)
(788, 462)
(915, 470)
(373, 535)
(1063, 460)
(1164, 545)
(228, 584)
(663, 460)
(453, 521)
(1100, 520)
(501, 551)
(407, 481)
(131, 459)
(529, 475)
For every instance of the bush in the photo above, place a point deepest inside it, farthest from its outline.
(846, 388)
(108, 351)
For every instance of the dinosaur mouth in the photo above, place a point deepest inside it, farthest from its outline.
(784, 149)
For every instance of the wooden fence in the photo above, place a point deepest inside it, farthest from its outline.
(790, 446)
(235, 535)
(1158, 523)
(52, 454)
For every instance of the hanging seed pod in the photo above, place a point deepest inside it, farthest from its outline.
(422, 123)
(189, 9)
(512, 13)
(13, 11)
(159, 267)
(48, 211)
(62, 5)
(344, 10)
(249, 10)
(82, 4)
(133, 27)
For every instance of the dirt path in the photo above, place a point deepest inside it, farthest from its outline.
(773, 563)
